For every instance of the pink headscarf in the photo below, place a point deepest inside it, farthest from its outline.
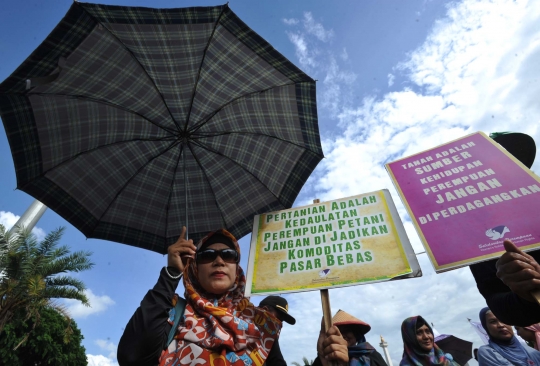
(536, 329)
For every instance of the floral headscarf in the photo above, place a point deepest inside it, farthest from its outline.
(413, 354)
(221, 331)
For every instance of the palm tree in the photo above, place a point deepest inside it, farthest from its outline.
(306, 362)
(32, 273)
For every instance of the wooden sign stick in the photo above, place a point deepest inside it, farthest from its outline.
(325, 300)
(327, 315)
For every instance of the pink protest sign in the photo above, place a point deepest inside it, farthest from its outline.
(465, 197)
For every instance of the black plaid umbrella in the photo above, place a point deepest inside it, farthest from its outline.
(109, 112)
(460, 349)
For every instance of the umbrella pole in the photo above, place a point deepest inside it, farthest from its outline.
(185, 190)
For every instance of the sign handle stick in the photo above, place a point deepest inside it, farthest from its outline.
(327, 315)
(325, 300)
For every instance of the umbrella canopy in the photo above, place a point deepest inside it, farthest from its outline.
(119, 106)
(461, 350)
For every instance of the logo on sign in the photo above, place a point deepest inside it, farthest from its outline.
(324, 273)
(497, 232)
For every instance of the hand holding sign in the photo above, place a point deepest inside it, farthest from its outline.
(519, 271)
(331, 347)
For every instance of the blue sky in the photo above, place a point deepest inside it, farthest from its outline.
(394, 78)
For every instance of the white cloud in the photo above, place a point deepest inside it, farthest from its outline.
(344, 55)
(107, 346)
(8, 219)
(305, 55)
(98, 304)
(305, 38)
(337, 84)
(291, 21)
(100, 360)
(465, 72)
(314, 56)
(391, 79)
(476, 71)
(316, 29)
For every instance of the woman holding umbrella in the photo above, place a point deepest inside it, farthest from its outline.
(419, 345)
(218, 324)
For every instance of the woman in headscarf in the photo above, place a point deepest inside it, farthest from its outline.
(218, 327)
(504, 348)
(419, 348)
(353, 330)
(531, 334)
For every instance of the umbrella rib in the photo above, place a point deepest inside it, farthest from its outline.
(199, 124)
(241, 167)
(209, 185)
(137, 61)
(170, 194)
(89, 151)
(256, 134)
(129, 181)
(201, 65)
(95, 100)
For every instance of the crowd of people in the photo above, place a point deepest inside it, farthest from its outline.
(215, 325)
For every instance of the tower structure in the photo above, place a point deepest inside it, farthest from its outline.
(384, 346)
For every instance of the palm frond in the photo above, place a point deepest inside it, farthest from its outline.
(30, 274)
(59, 281)
(74, 262)
(51, 240)
(66, 293)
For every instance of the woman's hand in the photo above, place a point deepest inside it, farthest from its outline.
(179, 252)
(519, 271)
(331, 347)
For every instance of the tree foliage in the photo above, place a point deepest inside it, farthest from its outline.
(306, 362)
(32, 273)
(42, 339)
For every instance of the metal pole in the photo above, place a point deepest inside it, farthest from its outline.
(29, 218)
(185, 189)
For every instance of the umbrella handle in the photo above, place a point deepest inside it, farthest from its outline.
(185, 187)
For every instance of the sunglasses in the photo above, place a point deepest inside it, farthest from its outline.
(210, 255)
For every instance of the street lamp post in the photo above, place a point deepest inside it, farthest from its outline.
(29, 218)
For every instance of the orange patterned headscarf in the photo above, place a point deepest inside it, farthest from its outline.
(221, 331)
